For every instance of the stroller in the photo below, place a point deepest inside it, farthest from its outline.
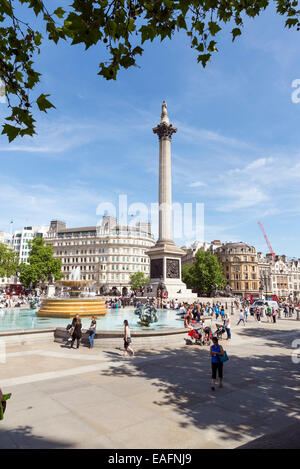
(219, 331)
(197, 335)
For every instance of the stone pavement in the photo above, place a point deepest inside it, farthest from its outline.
(64, 398)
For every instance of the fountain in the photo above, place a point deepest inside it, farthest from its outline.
(147, 315)
(75, 284)
(69, 307)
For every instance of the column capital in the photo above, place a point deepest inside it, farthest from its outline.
(164, 130)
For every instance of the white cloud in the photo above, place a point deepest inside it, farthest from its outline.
(259, 163)
(38, 204)
(59, 136)
(203, 135)
(197, 184)
(242, 198)
(255, 164)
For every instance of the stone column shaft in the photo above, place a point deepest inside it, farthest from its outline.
(164, 132)
(165, 190)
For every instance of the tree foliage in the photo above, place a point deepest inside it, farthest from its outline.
(138, 280)
(204, 274)
(9, 261)
(42, 264)
(123, 26)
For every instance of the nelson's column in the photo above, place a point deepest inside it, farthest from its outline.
(165, 256)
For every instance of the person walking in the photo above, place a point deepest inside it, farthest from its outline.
(92, 332)
(286, 311)
(242, 318)
(264, 310)
(216, 351)
(258, 314)
(269, 314)
(76, 333)
(246, 314)
(217, 311)
(227, 326)
(127, 339)
(274, 314)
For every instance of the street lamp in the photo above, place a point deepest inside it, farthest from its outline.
(261, 287)
(266, 286)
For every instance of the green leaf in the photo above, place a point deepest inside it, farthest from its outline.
(59, 12)
(291, 22)
(213, 27)
(235, 32)
(37, 39)
(43, 103)
(11, 131)
(203, 58)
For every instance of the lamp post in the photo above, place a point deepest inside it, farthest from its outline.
(266, 286)
(261, 287)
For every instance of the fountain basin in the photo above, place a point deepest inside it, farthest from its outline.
(68, 308)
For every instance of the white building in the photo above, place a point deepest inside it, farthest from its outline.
(279, 276)
(189, 257)
(20, 239)
(106, 254)
(5, 238)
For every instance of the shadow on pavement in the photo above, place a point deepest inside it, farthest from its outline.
(289, 437)
(274, 338)
(259, 395)
(22, 438)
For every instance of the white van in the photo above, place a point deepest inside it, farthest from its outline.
(270, 303)
(260, 303)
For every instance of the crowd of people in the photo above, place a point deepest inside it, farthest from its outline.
(13, 301)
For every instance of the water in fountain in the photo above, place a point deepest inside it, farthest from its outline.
(75, 274)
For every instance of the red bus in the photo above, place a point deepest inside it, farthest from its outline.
(253, 298)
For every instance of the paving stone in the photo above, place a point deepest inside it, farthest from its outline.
(160, 399)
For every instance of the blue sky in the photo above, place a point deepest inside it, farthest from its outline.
(236, 150)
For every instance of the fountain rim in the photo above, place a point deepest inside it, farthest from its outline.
(75, 283)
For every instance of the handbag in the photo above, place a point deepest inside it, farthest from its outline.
(224, 357)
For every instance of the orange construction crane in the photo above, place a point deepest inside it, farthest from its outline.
(267, 239)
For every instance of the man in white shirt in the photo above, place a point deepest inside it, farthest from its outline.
(242, 318)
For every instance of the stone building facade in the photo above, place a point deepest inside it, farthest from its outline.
(190, 252)
(279, 276)
(106, 254)
(240, 268)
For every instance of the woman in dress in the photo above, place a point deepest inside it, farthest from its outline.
(127, 339)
